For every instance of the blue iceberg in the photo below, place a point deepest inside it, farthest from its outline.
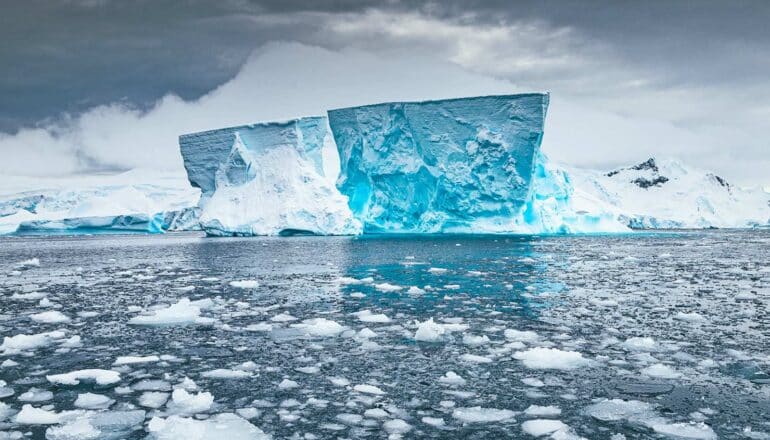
(267, 179)
(456, 165)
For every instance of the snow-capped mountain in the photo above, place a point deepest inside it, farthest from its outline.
(665, 193)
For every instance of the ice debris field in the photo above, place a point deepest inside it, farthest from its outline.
(466, 165)
(165, 337)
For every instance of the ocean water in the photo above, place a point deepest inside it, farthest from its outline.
(663, 335)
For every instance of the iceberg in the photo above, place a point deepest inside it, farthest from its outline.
(467, 165)
(267, 179)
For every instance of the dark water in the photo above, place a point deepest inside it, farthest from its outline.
(675, 326)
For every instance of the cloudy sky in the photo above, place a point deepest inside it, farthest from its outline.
(93, 86)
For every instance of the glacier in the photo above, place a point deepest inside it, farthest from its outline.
(267, 179)
(107, 204)
(664, 193)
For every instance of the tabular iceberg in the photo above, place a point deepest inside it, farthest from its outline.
(457, 165)
(267, 179)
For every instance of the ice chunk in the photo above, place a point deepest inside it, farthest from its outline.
(661, 371)
(429, 331)
(129, 360)
(541, 427)
(396, 427)
(22, 342)
(78, 429)
(182, 312)
(551, 359)
(266, 179)
(29, 415)
(478, 414)
(225, 426)
(93, 401)
(452, 378)
(50, 317)
(183, 402)
(153, 399)
(319, 327)
(223, 373)
(542, 411)
(368, 316)
(99, 376)
(36, 395)
(419, 166)
(245, 284)
(369, 389)
(640, 344)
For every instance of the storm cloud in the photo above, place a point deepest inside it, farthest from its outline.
(628, 79)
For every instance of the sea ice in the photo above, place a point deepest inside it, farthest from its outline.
(183, 402)
(99, 376)
(551, 359)
(478, 414)
(182, 312)
(50, 317)
(221, 426)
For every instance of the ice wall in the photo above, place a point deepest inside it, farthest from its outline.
(457, 165)
(266, 179)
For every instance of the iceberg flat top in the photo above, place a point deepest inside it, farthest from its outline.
(449, 100)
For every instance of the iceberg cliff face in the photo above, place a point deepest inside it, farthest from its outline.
(458, 165)
(266, 179)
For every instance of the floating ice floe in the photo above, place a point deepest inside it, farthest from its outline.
(641, 344)
(369, 389)
(690, 317)
(551, 359)
(153, 399)
(130, 360)
(223, 373)
(321, 327)
(29, 415)
(542, 427)
(221, 426)
(99, 376)
(643, 414)
(93, 401)
(35, 395)
(452, 378)
(478, 414)
(185, 403)
(542, 411)
(245, 284)
(431, 331)
(526, 336)
(50, 317)
(661, 371)
(368, 316)
(182, 312)
(387, 287)
(19, 343)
